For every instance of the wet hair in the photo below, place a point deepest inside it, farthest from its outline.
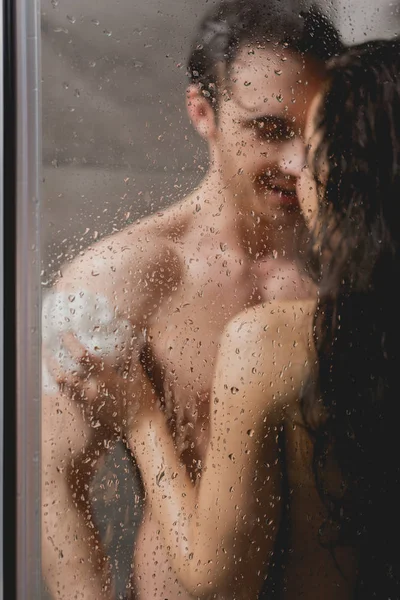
(357, 323)
(233, 23)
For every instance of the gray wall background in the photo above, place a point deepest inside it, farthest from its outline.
(116, 138)
(117, 145)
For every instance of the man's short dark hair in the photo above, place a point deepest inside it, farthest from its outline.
(232, 23)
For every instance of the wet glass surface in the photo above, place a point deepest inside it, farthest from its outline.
(118, 146)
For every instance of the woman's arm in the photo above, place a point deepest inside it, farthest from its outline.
(221, 533)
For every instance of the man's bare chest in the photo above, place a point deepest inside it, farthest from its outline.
(185, 332)
(184, 335)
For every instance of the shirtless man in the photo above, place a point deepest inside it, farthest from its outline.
(152, 300)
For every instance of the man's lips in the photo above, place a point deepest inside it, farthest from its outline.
(283, 194)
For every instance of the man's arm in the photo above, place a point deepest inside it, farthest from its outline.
(74, 563)
(102, 303)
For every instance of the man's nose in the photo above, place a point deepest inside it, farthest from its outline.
(292, 158)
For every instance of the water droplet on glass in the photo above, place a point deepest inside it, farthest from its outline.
(231, 457)
(92, 63)
(279, 97)
(54, 3)
(191, 556)
(160, 476)
(107, 32)
(247, 83)
(65, 85)
(95, 22)
(71, 19)
(223, 246)
(234, 390)
(278, 72)
(77, 93)
(250, 432)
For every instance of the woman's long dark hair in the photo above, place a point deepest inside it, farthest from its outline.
(357, 325)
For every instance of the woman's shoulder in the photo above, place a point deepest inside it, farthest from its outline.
(274, 321)
(273, 345)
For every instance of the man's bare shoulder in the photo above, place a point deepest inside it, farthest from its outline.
(138, 259)
(107, 294)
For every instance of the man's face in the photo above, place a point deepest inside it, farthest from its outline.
(259, 143)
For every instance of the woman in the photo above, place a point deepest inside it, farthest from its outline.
(301, 486)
